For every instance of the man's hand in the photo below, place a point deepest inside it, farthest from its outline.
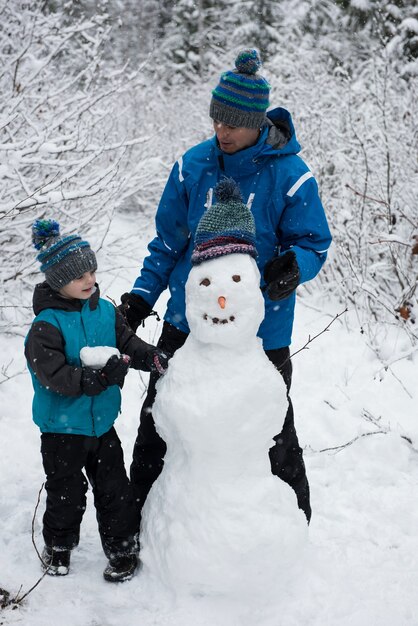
(134, 309)
(282, 276)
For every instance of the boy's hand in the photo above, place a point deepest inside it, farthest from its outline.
(115, 370)
(156, 360)
(92, 381)
(95, 381)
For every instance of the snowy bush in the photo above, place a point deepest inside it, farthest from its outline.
(376, 237)
(67, 150)
(360, 131)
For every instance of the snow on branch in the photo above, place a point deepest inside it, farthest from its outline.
(69, 149)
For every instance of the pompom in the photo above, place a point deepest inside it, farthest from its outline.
(42, 231)
(226, 190)
(248, 62)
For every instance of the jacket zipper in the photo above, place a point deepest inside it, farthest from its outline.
(93, 426)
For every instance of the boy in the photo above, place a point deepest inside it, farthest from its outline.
(75, 406)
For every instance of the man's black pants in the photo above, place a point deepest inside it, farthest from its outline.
(64, 458)
(285, 456)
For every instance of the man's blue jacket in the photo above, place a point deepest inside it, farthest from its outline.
(283, 196)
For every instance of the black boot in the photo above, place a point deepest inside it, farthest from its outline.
(56, 561)
(303, 496)
(120, 568)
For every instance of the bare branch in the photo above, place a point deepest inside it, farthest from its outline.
(33, 522)
(366, 197)
(324, 330)
(349, 443)
(7, 376)
(18, 599)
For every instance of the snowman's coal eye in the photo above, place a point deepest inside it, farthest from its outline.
(236, 278)
(205, 282)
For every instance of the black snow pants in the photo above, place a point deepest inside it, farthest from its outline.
(64, 458)
(149, 450)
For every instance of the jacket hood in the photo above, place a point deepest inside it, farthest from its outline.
(277, 138)
(281, 134)
(46, 298)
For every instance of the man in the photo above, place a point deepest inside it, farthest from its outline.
(259, 151)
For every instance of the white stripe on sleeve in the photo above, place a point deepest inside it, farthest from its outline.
(299, 183)
(250, 200)
(140, 289)
(180, 164)
(209, 198)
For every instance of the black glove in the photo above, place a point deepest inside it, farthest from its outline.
(282, 276)
(134, 309)
(115, 370)
(157, 361)
(92, 381)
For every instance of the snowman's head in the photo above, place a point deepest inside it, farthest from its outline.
(224, 303)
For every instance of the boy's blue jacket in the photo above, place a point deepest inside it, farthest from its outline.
(52, 349)
(288, 213)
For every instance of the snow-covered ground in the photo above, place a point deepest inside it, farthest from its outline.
(358, 424)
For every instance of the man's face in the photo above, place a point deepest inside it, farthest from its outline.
(234, 138)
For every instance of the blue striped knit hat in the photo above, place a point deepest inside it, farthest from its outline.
(62, 258)
(242, 96)
(227, 227)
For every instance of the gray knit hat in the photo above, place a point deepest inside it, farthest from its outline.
(242, 96)
(63, 258)
(227, 227)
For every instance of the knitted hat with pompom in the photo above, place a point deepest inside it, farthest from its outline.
(62, 258)
(242, 96)
(227, 227)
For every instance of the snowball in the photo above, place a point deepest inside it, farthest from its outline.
(97, 356)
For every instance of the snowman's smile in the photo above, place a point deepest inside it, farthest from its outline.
(217, 320)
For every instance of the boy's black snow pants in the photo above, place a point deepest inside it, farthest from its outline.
(64, 458)
(149, 450)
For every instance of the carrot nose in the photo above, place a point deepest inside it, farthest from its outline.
(222, 302)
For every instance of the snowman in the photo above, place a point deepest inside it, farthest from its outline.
(217, 521)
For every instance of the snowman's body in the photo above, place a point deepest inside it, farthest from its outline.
(217, 520)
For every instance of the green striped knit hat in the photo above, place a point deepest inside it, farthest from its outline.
(62, 259)
(242, 96)
(227, 227)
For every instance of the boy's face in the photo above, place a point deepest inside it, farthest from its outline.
(80, 288)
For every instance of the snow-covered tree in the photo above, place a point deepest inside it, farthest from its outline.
(351, 30)
(256, 24)
(376, 236)
(360, 138)
(67, 150)
(193, 41)
(386, 20)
